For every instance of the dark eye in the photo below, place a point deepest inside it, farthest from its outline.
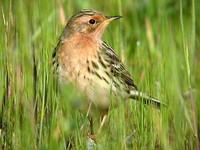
(92, 21)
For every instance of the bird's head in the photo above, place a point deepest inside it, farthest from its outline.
(88, 21)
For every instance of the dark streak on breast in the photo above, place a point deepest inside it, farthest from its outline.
(105, 80)
(102, 63)
(95, 65)
(88, 68)
(95, 73)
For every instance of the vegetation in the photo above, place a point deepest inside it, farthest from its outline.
(159, 43)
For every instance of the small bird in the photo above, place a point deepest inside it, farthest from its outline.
(83, 58)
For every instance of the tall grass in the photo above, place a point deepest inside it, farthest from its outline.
(157, 41)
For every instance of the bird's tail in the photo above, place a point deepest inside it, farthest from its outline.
(145, 98)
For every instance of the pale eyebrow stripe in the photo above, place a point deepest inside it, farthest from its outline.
(86, 12)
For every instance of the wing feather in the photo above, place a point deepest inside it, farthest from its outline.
(117, 67)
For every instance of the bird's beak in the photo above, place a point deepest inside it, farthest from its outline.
(111, 18)
(104, 23)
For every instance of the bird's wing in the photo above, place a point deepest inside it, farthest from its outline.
(117, 67)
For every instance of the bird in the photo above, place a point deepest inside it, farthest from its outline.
(81, 57)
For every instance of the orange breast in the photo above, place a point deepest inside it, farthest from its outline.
(74, 53)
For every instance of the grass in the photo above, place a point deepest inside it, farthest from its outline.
(158, 42)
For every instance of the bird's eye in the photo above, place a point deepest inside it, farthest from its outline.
(92, 21)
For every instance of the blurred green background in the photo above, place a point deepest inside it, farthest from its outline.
(157, 40)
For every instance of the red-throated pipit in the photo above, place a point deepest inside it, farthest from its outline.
(81, 57)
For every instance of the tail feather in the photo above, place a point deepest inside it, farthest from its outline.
(146, 99)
